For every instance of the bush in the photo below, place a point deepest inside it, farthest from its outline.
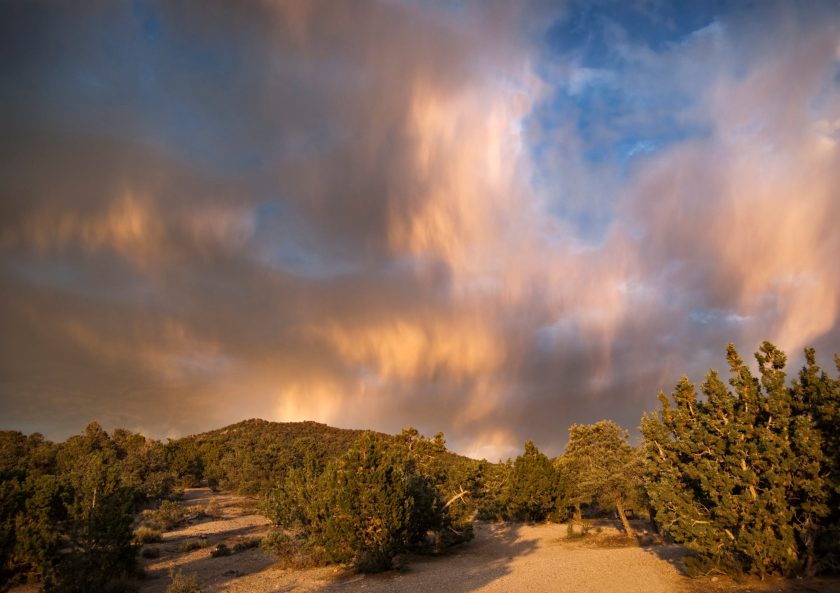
(100, 549)
(169, 515)
(193, 544)
(278, 542)
(183, 584)
(220, 550)
(533, 486)
(212, 509)
(290, 551)
(375, 507)
(147, 535)
(368, 508)
(246, 545)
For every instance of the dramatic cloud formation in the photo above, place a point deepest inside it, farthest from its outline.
(493, 220)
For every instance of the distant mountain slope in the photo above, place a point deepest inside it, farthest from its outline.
(249, 455)
(336, 441)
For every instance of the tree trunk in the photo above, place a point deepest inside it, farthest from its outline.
(619, 507)
(577, 518)
(810, 538)
(654, 526)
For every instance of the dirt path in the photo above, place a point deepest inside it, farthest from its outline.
(533, 559)
(501, 559)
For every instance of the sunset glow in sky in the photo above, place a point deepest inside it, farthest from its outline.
(492, 219)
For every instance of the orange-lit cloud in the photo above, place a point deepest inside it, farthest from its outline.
(383, 219)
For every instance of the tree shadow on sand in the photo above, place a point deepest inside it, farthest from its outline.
(670, 553)
(202, 563)
(675, 554)
(467, 567)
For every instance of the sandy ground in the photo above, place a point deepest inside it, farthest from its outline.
(236, 522)
(501, 558)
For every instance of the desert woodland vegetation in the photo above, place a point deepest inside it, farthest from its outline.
(744, 473)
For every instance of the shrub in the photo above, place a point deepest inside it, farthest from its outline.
(375, 507)
(246, 545)
(170, 514)
(278, 542)
(249, 488)
(532, 492)
(212, 509)
(147, 535)
(290, 551)
(193, 544)
(368, 508)
(183, 584)
(220, 550)
(100, 548)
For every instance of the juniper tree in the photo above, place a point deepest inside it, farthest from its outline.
(737, 476)
(65, 512)
(99, 514)
(601, 466)
(817, 395)
(532, 489)
(374, 507)
(289, 503)
(369, 506)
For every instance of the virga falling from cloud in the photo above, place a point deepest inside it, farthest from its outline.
(397, 214)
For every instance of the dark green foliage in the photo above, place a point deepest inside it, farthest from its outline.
(32, 455)
(297, 484)
(488, 484)
(144, 465)
(817, 395)
(278, 542)
(533, 486)
(169, 515)
(66, 511)
(600, 466)
(742, 477)
(185, 461)
(251, 456)
(99, 538)
(374, 507)
(31, 509)
(370, 506)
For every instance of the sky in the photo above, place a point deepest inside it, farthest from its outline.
(491, 219)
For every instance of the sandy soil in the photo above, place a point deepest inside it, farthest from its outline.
(236, 522)
(501, 558)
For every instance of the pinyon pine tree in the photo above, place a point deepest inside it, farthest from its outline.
(817, 395)
(600, 466)
(532, 491)
(739, 475)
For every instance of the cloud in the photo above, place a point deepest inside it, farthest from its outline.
(742, 217)
(403, 214)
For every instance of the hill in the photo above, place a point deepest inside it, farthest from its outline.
(250, 455)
